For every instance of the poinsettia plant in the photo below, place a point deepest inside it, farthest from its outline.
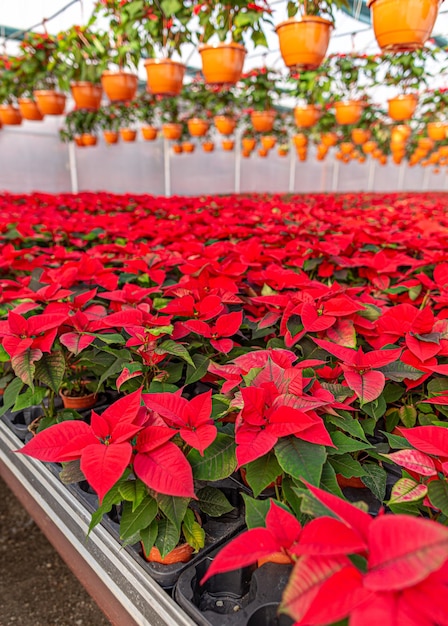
(324, 8)
(260, 89)
(353, 75)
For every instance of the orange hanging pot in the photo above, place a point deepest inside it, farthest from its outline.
(128, 134)
(282, 152)
(208, 146)
(400, 133)
(403, 25)
(300, 140)
(172, 131)
(10, 115)
(304, 42)
(369, 147)
(263, 121)
(86, 95)
(402, 107)
(346, 147)
(119, 86)
(88, 139)
(268, 142)
(50, 102)
(348, 111)
(436, 130)
(110, 136)
(197, 127)
(187, 146)
(224, 125)
(263, 153)
(329, 139)
(248, 143)
(29, 110)
(222, 63)
(149, 133)
(227, 145)
(307, 115)
(177, 148)
(443, 151)
(360, 136)
(164, 77)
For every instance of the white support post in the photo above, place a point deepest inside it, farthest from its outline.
(167, 167)
(237, 162)
(335, 182)
(401, 174)
(371, 178)
(292, 168)
(73, 167)
(425, 184)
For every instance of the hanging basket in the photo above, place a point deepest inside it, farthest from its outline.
(197, 127)
(307, 115)
(228, 145)
(304, 43)
(128, 134)
(10, 115)
(50, 102)
(29, 110)
(403, 25)
(110, 136)
(86, 95)
(360, 136)
(224, 125)
(172, 131)
(222, 63)
(164, 77)
(208, 146)
(119, 86)
(88, 139)
(268, 142)
(438, 131)
(348, 111)
(149, 133)
(402, 107)
(263, 121)
(248, 143)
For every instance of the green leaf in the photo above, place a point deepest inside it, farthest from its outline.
(346, 444)
(398, 371)
(256, 511)
(348, 424)
(396, 442)
(172, 347)
(329, 481)
(50, 370)
(213, 502)
(438, 494)
(375, 480)
(112, 497)
(133, 522)
(392, 393)
(30, 398)
(10, 395)
(407, 490)
(167, 537)
(262, 472)
(301, 459)
(110, 338)
(408, 415)
(198, 370)
(173, 508)
(149, 535)
(347, 466)
(376, 408)
(193, 532)
(24, 367)
(218, 462)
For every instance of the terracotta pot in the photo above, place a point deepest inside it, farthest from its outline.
(443, 151)
(223, 62)
(304, 42)
(307, 115)
(87, 95)
(177, 148)
(268, 142)
(348, 111)
(181, 554)
(208, 146)
(402, 107)
(149, 133)
(164, 76)
(50, 102)
(248, 143)
(400, 25)
(188, 146)
(276, 557)
(10, 115)
(119, 86)
(224, 125)
(360, 136)
(88, 139)
(300, 140)
(354, 482)
(263, 153)
(436, 130)
(197, 127)
(329, 139)
(29, 110)
(79, 402)
(110, 136)
(172, 131)
(263, 121)
(425, 143)
(282, 152)
(78, 141)
(400, 133)
(128, 134)
(246, 153)
(227, 144)
(346, 147)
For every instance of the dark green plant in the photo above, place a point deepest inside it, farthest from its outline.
(324, 8)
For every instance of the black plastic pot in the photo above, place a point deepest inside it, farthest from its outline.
(18, 421)
(248, 596)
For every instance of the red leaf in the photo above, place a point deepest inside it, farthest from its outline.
(316, 433)
(123, 410)
(346, 355)
(312, 321)
(49, 445)
(254, 400)
(423, 350)
(327, 536)
(222, 345)
(126, 375)
(171, 406)
(379, 358)
(343, 333)
(198, 327)
(75, 342)
(166, 470)
(252, 443)
(199, 437)
(200, 408)
(153, 436)
(283, 526)
(428, 439)
(367, 386)
(414, 461)
(403, 551)
(103, 465)
(228, 325)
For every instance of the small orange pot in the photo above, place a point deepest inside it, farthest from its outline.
(224, 125)
(79, 402)
(181, 554)
(402, 26)
(436, 130)
(248, 144)
(400, 133)
(369, 147)
(87, 95)
(172, 131)
(246, 153)
(187, 146)
(304, 42)
(268, 142)
(263, 121)
(149, 133)
(223, 62)
(443, 151)
(402, 107)
(164, 76)
(348, 111)
(307, 115)
(300, 140)
(282, 152)
(197, 127)
(78, 141)
(119, 86)
(208, 146)
(346, 147)
(110, 136)
(227, 145)
(50, 102)
(329, 139)
(128, 134)
(263, 153)
(29, 110)
(425, 143)
(88, 139)
(302, 153)
(10, 115)
(360, 136)
(177, 148)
